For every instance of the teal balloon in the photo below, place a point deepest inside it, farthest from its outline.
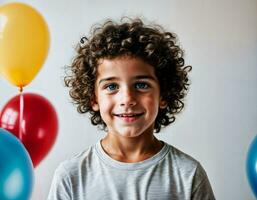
(16, 169)
(251, 166)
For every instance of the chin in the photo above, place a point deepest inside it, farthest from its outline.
(130, 134)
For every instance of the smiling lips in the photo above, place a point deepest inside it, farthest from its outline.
(129, 117)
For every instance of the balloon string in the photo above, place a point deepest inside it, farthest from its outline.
(21, 113)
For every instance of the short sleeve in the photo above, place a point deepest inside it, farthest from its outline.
(61, 185)
(201, 188)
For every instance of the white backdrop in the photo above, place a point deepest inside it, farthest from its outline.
(220, 118)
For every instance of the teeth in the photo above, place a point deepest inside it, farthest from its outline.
(128, 115)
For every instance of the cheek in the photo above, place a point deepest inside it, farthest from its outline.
(152, 104)
(105, 105)
(103, 113)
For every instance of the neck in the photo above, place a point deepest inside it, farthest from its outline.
(126, 149)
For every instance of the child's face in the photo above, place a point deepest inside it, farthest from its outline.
(127, 94)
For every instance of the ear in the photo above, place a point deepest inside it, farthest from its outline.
(162, 104)
(95, 105)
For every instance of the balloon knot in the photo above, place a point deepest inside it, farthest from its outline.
(20, 89)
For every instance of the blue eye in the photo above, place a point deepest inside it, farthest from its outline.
(112, 87)
(141, 86)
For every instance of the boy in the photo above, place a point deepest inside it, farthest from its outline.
(132, 79)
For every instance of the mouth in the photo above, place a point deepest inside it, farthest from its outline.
(126, 115)
(129, 117)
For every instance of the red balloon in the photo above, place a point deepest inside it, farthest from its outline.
(39, 124)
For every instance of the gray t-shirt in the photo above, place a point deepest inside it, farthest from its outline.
(92, 174)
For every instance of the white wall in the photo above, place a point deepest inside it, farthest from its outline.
(220, 118)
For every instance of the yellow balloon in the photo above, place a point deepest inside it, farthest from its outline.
(24, 43)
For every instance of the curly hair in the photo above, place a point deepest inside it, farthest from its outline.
(130, 38)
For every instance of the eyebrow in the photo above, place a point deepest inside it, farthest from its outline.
(106, 79)
(136, 78)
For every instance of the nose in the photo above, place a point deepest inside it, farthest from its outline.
(128, 98)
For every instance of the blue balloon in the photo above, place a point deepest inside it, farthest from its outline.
(16, 169)
(251, 166)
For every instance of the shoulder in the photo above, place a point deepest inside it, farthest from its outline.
(68, 174)
(181, 159)
(186, 164)
(191, 171)
(71, 166)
